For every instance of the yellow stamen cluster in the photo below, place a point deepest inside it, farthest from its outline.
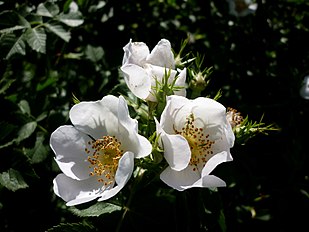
(199, 143)
(105, 158)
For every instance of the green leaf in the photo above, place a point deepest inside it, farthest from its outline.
(24, 107)
(221, 221)
(25, 131)
(94, 54)
(17, 47)
(59, 31)
(6, 129)
(51, 79)
(12, 20)
(5, 83)
(39, 152)
(71, 227)
(11, 29)
(12, 180)
(36, 38)
(96, 209)
(47, 9)
(72, 19)
(41, 117)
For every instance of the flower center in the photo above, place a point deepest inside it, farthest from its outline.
(105, 158)
(198, 141)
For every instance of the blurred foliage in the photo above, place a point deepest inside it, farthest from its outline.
(55, 51)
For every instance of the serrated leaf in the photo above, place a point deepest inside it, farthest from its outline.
(72, 19)
(96, 209)
(11, 29)
(94, 54)
(47, 9)
(36, 38)
(18, 47)
(24, 107)
(71, 227)
(25, 131)
(59, 31)
(12, 180)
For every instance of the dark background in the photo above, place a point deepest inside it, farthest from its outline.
(259, 62)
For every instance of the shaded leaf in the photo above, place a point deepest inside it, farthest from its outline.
(59, 31)
(94, 54)
(12, 20)
(5, 84)
(71, 227)
(72, 19)
(11, 29)
(41, 116)
(96, 209)
(47, 9)
(36, 38)
(12, 180)
(221, 221)
(17, 47)
(6, 129)
(39, 152)
(26, 131)
(51, 79)
(24, 107)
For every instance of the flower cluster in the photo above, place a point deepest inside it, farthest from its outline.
(98, 153)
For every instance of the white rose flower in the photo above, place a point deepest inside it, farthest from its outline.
(142, 69)
(196, 137)
(96, 155)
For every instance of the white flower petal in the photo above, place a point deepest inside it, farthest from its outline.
(135, 53)
(209, 181)
(123, 174)
(214, 161)
(173, 105)
(176, 149)
(230, 136)
(96, 118)
(179, 179)
(128, 135)
(137, 80)
(69, 146)
(208, 116)
(75, 192)
(162, 55)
